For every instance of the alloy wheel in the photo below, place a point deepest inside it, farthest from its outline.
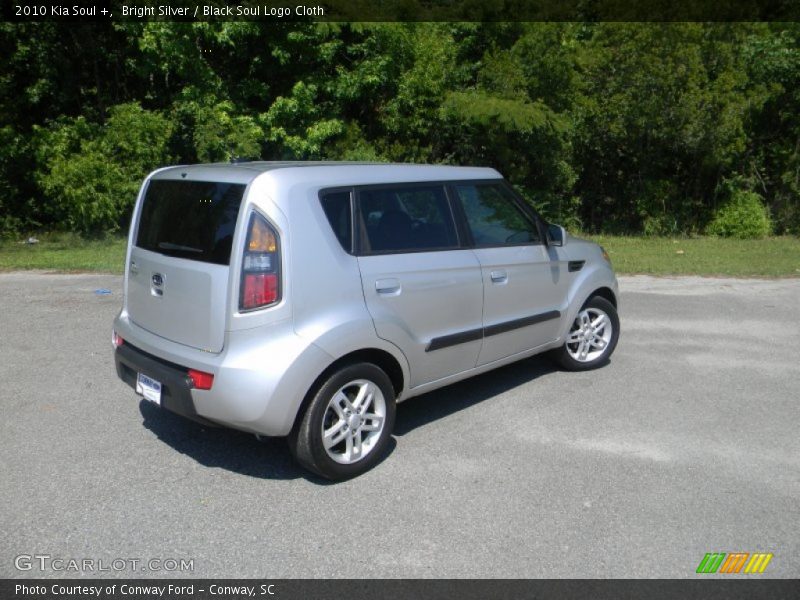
(590, 335)
(353, 421)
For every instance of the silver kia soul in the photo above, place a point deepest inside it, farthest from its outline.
(306, 299)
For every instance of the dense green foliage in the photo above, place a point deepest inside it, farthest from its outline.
(611, 127)
(743, 216)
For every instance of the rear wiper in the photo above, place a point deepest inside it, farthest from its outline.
(171, 246)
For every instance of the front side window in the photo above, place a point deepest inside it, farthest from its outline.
(494, 217)
(190, 219)
(406, 219)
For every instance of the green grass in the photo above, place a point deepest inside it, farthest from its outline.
(772, 257)
(65, 253)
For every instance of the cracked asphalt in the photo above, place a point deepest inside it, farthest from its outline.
(686, 443)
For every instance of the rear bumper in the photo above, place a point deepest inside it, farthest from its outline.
(176, 385)
(260, 378)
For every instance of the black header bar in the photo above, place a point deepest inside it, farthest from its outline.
(402, 10)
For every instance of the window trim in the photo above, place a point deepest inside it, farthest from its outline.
(457, 214)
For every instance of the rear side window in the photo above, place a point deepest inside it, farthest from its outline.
(190, 219)
(337, 208)
(405, 219)
(494, 217)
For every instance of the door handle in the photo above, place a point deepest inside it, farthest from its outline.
(388, 287)
(134, 267)
(499, 276)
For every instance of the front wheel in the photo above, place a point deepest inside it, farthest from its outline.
(347, 425)
(592, 336)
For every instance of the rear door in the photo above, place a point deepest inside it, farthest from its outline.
(179, 263)
(423, 291)
(523, 287)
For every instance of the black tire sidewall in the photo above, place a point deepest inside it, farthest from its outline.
(308, 448)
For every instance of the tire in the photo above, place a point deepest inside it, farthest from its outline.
(348, 423)
(590, 344)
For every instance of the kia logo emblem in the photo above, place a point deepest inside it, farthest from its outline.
(158, 279)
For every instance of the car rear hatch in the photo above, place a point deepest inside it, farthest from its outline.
(179, 263)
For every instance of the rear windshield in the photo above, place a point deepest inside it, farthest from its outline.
(190, 219)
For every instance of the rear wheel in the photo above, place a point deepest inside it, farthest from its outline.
(347, 425)
(592, 337)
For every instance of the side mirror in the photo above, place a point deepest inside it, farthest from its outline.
(556, 235)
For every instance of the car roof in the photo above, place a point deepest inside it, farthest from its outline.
(333, 172)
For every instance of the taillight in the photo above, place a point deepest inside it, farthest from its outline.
(116, 339)
(260, 284)
(260, 289)
(201, 380)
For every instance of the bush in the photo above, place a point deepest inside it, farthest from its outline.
(90, 174)
(221, 135)
(744, 216)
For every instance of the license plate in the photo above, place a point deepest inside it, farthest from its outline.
(149, 388)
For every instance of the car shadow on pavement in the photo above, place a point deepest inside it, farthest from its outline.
(222, 448)
(269, 458)
(451, 399)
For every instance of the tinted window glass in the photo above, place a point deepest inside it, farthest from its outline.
(493, 216)
(406, 219)
(190, 219)
(337, 208)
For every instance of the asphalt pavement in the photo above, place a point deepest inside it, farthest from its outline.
(686, 443)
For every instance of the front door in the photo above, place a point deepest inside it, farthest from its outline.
(523, 287)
